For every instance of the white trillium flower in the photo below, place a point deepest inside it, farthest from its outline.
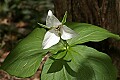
(57, 31)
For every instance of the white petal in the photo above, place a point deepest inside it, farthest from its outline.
(50, 13)
(51, 38)
(67, 33)
(51, 20)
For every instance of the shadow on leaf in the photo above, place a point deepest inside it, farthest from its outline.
(82, 70)
(58, 65)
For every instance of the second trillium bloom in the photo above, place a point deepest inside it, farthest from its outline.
(56, 32)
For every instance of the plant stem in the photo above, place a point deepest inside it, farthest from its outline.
(64, 42)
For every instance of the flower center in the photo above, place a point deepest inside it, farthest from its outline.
(57, 29)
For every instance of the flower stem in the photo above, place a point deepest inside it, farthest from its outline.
(65, 44)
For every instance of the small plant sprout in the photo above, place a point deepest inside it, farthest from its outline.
(57, 31)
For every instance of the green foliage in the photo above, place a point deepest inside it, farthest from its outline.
(87, 32)
(77, 62)
(80, 63)
(25, 59)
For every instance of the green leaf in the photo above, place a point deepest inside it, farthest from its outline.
(25, 59)
(80, 63)
(64, 18)
(87, 32)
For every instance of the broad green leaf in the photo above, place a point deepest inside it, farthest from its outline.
(87, 32)
(25, 59)
(80, 63)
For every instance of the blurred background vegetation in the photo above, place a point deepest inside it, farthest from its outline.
(18, 18)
